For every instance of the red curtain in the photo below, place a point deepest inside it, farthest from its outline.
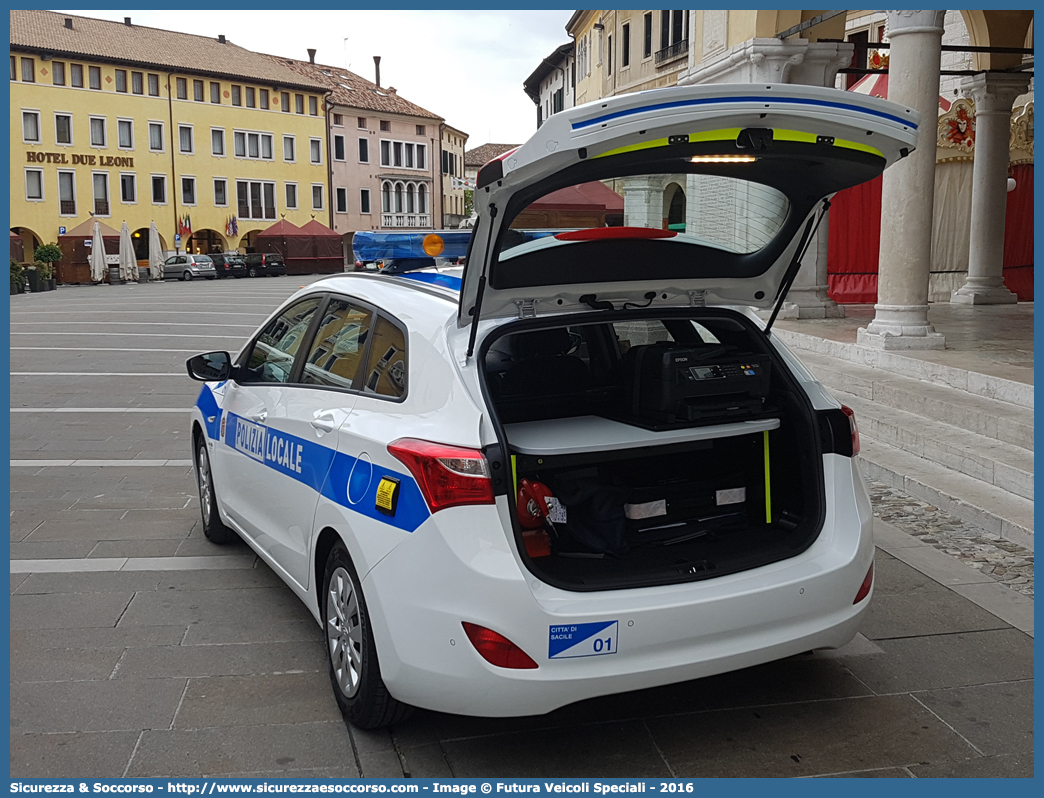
(1018, 235)
(854, 244)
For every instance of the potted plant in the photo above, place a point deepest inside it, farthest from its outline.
(45, 273)
(32, 277)
(48, 254)
(17, 277)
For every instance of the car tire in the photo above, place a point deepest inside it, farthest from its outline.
(213, 528)
(187, 277)
(252, 272)
(355, 673)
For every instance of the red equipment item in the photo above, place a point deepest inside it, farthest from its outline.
(532, 504)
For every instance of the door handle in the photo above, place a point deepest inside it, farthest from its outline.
(259, 417)
(325, 421)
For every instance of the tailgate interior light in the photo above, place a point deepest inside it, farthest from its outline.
(496, 649)
(722, 159)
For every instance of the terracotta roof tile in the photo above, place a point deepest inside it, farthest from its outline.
(353, 91)
(480, 156)
(148, 47)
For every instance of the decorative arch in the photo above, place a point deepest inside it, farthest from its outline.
(400, 190)
(246, 241)
(674, 204)
(411, 198)
(206, 242)
(997, 29)
(422, 198)
(386, 196)
(140, 237)
(30, 241)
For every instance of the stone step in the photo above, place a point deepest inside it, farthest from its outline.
(989, 418)
(983, 385)
(987, 506)
(1001, 464)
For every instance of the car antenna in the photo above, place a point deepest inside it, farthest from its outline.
(477, 307)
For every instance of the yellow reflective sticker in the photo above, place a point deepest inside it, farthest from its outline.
(387, 495)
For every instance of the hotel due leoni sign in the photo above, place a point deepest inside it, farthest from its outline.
(75, 159)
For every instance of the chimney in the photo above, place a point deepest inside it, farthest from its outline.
(126, 21)
(377, 69)
(311, 55)
(221, 38)
(68, 23)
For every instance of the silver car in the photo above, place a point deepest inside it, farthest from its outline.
(185, 267)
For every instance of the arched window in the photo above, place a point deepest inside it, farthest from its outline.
(398, 197)
(422, 198)
(386, 197)
(409, 198)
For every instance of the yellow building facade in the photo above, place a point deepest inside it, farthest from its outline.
(212, 155)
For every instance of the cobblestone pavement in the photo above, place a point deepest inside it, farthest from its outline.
(988, 553)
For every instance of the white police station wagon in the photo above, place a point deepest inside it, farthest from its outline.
(582, 465)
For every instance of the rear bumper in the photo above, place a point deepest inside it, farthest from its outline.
(453, 569)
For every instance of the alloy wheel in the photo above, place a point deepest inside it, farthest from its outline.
(344, 634)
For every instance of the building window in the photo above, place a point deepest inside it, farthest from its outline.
(342, 200)
(239, 144)
(386, 125)
(188, 190)
(137, 83)
(98, 131)
(400, 206)
(128, 189)
(315, 150)
(263, 98)
(422, 156)
(647, 36)
(125, 134)
(14, 67)
(220, 192)
(185, 143)
(289, 149)
(420, 130)
(159, 190)
(299, 103)
(403, 154)
(63, 129)
(250, 103)
(317, 196)
(182, 88)
(266, 146)
(215, 93)
(397, 150)
(28, 70)
(255, 199)
(247, 144)
(57, 73)
(362, 123)
(422, 198)
(94, 77)
(153, 85)
(338, 120)
(34, 185)
(609, 59)
(76, 75)
(338, 148)
(386, 197)
(31, 127)
(101, 193)
(625, 46)
(313, 106)
(237, 98)
(156, 136)
(67, 193)
(291, 196)
(197, 91)
(121, 80)
(217, 141)
(364, 151)
(364, 200)
(284, 101)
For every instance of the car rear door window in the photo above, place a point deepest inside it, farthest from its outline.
(386, 363)
(339, 346)
(272, 356)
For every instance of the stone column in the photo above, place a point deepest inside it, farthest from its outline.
(795, 61)
(993, 95)
(908, 191)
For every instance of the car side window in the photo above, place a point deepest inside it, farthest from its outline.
(272, 356)
(339, 345)
(386, 364)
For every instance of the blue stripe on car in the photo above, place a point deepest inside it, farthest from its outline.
(445, 280)
(327, 471)
(208, 406)
(722, 100)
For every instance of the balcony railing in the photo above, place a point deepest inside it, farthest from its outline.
(676, 50)
(67, 207)
(101, 207)
(405, 220)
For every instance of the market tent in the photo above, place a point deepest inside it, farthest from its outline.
(329, 247)
(587, 205)
(74, 267)
(301, 248)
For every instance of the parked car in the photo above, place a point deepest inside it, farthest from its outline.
(187, 267)
(263, 264)
(229, 265)
(582, 464)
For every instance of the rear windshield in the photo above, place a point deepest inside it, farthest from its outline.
(725, 213)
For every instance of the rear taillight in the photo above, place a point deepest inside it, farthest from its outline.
(448, 476)
(864, 589)
(855, 429)
(496, 649)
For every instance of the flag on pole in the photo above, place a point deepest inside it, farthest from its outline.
(235, 225)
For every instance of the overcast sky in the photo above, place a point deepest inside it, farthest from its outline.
(466, 66)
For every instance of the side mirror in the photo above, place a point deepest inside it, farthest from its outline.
(211, 367)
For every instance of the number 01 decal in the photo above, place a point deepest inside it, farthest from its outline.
(582, 640)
